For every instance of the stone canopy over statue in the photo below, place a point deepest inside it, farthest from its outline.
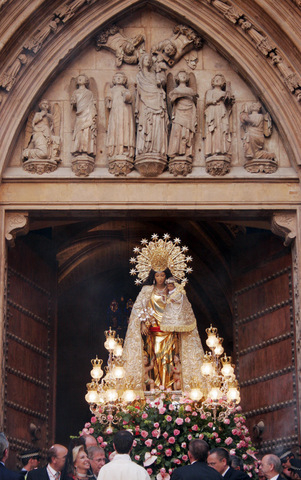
(162, 347)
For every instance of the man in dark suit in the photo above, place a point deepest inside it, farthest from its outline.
(5, 473)
(219, 459)
(30, 460)
(198, 468)
(271, 467)
(56, 458)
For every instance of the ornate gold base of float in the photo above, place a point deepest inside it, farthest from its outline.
(120, 166)
(83, 165)
(218, 165)
(180, 166)
(40, 166)
(150, 164)
(257, 165)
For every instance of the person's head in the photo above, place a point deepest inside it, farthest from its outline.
(82, 80)
(295, 468)
(219, 459)
(90, 441)
(30, 459)
(3, 447)
(56, 457)
(271, 465)
(236, 462)
(123, 441)
(182, 76)
(169, 48)
(198, 450)
(255, 107)
(170, 283)
(120, 78)
(81, 462)
(218, 81)
(145, 61)
(145, 359)
(97, 459)
(44, 105)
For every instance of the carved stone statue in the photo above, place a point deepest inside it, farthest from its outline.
(192, 59)
(42, 140)
(35, 43)
(125, 48)
(85, 128)
(8, 78)
(151, 118)
(121, 126)
(184, 121)
(66, 11)
(218, 107)
(256, 126)
(183, 40)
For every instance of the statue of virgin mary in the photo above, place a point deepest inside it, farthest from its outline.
(162, 324)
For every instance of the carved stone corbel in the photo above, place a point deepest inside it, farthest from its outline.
(15, 224)
(284, 225)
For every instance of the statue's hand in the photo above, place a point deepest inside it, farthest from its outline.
(144, 328)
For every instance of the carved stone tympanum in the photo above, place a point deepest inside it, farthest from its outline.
(184, 121)
(85, 128)
(256, 127)
(42, 139)
(121, 126)
(151, 118)
(218, 107)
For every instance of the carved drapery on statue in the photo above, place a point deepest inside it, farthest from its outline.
(83, 151)
(218, 103)
(42, 139)
(120, 140)
(256, 127)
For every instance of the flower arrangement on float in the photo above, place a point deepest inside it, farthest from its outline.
(163, 428)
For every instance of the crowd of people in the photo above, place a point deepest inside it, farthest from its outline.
(84, 459)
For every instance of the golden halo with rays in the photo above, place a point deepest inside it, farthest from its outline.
(158, 255)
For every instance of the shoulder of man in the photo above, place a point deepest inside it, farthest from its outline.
(7, 474)
(236, 474)
(37, 473)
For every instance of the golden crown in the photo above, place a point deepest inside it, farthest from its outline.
(158, 255)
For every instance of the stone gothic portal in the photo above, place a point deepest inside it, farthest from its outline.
(59, 298)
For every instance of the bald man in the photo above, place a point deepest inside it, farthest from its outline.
(56, 458)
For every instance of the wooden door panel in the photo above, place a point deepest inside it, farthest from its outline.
(264, 340)
(30, 335)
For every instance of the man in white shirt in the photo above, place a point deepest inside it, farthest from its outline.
(271, 467)
(122, 467)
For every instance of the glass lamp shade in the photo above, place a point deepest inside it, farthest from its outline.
(129, 396)
(96, 372)
(110, 343)
(215, 393)
(118, 350)
(207, 369)
(111, 395)
(227, 370)
(219, 350)
(233, 395)
(196, 394)
(118, 372)
(92, 396)
(211, 341)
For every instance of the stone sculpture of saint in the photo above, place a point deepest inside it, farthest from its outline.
(184, 119)
(151, 113)
(120, 140)
(85, 129)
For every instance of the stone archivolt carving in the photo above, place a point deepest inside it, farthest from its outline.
(67, 10)
(83, 101)
(284, 225)
(35, 43)
(124, 48)
(182, 98)
(15, 224)
(42, 139)
(8, 78)
(120, 140)
(183, 40)
(256, 126)
(218, 109)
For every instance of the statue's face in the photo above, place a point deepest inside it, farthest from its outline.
(160, 278)
(147, 61)
(44, 106)
(119, 79)
(145, 360)
(81, 80)
(170, 286)
(182, 76)
(169, 49)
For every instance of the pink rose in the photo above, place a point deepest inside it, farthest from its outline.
(162, 471)
(201, 436)
(144, 416)
(134, 443)
(210, 424)
(144, 433)
(165, 434)
(218, 440)
(160, 447)
(124, 422)
(215, 435)
(189, 437)
(176, 432)
(91, 430)
(148, 442)
(99, 439)
(156, 425)
(183, 444)
(187, 420)
(109, 430)
(168, 418)
(93, 419)
(188, 408)
(232, 451)
(203, 416)
(154, 451)
(228, 441)
(195, 428)
(185, 458)
(137, 457)
(171, 407)
(149, 471)
(227, 421)
(87, 425)
(162, 410)
(177, 461)
(110, 418)
(104, 444)
(168, 452)
(194, 414)
(244, 456)
(172, 440)
(238, 409)
(85, 431)
(155, 433)
(170, 471)
(179, 421)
